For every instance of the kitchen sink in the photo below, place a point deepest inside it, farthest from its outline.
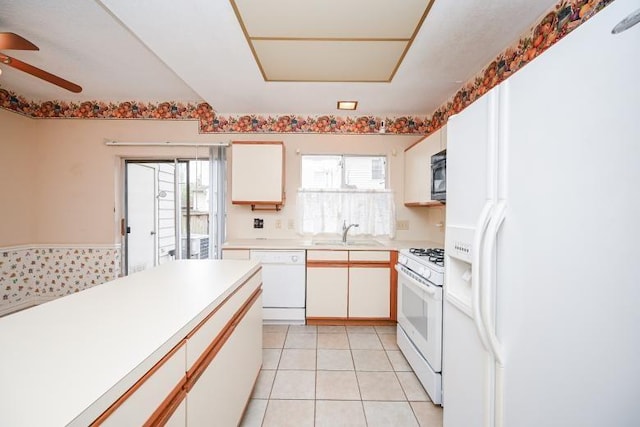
(327, 243)
(363, 243)
(349, 243)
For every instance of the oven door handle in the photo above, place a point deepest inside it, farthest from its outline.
(416, 285)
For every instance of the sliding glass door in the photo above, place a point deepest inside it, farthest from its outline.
(174, 209)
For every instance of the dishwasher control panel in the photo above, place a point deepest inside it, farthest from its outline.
(279, 257)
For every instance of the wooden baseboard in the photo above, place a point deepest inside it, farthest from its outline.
(324, 321)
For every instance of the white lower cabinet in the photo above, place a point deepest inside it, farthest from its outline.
(369, 293)
(327, 289)
(220, 394)
(349, 285)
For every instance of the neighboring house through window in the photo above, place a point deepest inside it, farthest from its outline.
(351, 189)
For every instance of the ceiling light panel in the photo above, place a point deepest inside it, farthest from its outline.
(331, 18)
(330, 40)
(328, 60)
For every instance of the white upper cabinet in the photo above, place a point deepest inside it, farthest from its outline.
(417, 168)
(257, 173)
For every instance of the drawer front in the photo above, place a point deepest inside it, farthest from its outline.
(327, 255)
(137, 405)
(200, 338)
(369, 256)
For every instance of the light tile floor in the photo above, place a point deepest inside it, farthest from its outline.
(337, 376)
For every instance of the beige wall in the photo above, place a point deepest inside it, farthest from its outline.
(421, 220)
(18, 175)
(81, 182)
(62, 184)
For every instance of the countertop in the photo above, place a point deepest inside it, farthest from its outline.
(309, 244)
(66, 361)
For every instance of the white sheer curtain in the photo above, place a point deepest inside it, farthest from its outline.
(324, 211)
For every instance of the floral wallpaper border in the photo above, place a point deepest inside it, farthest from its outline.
(563, 18)
(29, 275)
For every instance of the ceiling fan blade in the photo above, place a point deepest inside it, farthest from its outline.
(41, 74)
(14, 41)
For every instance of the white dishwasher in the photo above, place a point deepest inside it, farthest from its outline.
(283, 285)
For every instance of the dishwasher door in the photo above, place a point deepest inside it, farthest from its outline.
(283, 284)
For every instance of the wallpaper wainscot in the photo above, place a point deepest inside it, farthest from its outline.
(33, 275)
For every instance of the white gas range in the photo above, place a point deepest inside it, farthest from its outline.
(420, 280)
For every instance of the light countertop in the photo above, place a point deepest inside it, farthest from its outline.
(66, 361)
(309, 244)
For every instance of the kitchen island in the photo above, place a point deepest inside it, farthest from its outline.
(137, 349)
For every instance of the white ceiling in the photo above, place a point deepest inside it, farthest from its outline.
(161, 50)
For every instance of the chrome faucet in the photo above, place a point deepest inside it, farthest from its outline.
(345, 230)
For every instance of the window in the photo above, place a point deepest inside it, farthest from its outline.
(351, 172)
(345, 188)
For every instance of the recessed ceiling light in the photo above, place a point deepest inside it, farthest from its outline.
(347, 105)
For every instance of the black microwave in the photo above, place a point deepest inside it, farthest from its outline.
(439, 176)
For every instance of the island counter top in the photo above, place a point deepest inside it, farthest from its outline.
(64, 362)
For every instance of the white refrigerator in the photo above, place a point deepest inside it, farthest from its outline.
(542, 288)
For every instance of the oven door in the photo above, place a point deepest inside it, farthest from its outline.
(420, 316)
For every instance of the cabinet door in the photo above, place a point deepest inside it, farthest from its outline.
(327, 291)
(221, 393)
(369, 292)
(417, 169)
(257, 172)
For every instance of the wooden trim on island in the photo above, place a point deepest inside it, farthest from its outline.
(168, 406)
(115, 405)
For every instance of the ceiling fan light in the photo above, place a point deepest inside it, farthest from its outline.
(347, 105)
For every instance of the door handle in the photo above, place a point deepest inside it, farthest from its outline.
(153, 233)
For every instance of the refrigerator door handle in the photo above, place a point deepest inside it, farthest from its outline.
(487, 270)
(476, 273)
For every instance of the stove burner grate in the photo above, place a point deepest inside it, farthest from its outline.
(435, 255)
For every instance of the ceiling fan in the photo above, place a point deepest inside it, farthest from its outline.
(14, 41)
